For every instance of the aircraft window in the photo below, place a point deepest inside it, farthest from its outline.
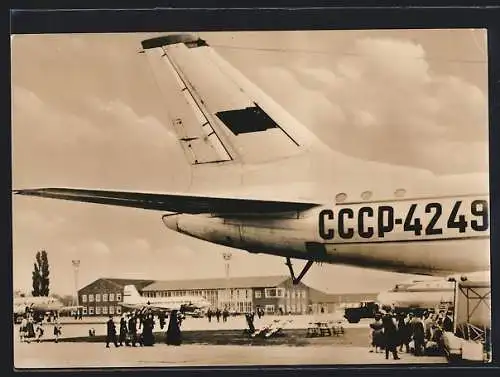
(399, 193)
(340, 197)
(248, 120)
(366, 195)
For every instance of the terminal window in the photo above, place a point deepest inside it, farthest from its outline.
(84, 298)
(84, 311)
(118, 297)
(118, 310)
(275, 292)
(269, 308)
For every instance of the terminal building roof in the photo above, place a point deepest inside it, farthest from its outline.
(217, 283)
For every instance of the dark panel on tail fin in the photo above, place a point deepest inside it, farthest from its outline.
(248, 120)
(188, 39)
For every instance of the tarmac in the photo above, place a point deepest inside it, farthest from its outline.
(206, 344)
(95, 355)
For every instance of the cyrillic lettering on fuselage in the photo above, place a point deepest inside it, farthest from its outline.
(405, 220)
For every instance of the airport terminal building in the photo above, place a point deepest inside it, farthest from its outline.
(273, 294)
(104, 296)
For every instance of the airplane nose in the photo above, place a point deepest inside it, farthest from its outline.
(170, 221)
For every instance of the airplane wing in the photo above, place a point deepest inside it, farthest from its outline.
(169, 202)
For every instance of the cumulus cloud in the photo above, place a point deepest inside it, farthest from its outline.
(383, 102)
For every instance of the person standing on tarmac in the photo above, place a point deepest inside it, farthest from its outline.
(123, 331)
(174, 331)
(132, 329)
(217, 314)
(111, 333)
(390, 336)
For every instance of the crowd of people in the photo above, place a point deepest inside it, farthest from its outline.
(32, 329)
(136, 329)
(415, 332)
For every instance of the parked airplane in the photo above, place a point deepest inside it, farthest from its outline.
(39, 305)
(264, 183)
(418, 294)
(185, 304)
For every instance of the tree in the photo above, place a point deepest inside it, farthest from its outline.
(40, 275)
(36, 281)
(44, 275)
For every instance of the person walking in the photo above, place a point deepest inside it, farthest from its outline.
(418, 332)
(147, 331)
(174, 331)
(30, 330)
(404, 333)
(376, 334)
(390, 336)
(57, 330)
(111, 333)
(23, 328)
(123, 331)
(209, 315)
(217, 314)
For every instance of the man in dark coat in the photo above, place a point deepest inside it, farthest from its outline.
(111, 333)
(209, 315)
(448, 322)
(173, 332)
(123, 331)
(390, 335)
(249, 317)
(217, 314)
(132, 329)
(147, 330)
(404, 333)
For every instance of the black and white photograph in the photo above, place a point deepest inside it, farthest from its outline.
(250, 198)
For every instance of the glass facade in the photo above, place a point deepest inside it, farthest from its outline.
(284, 298)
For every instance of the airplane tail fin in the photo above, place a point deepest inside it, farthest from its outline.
(130, 294)
(219, 117)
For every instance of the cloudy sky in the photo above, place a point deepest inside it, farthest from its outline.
(87, 113)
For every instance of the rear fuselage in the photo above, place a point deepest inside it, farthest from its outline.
(435, 235)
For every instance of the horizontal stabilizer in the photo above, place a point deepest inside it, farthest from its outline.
(179, 203)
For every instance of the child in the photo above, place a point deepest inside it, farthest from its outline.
(39, 332)
(57, 330)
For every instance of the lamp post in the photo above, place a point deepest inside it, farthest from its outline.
(227, 258)
(76, 266)
(452, 279)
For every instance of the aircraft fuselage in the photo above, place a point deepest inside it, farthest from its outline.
(435, 235)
